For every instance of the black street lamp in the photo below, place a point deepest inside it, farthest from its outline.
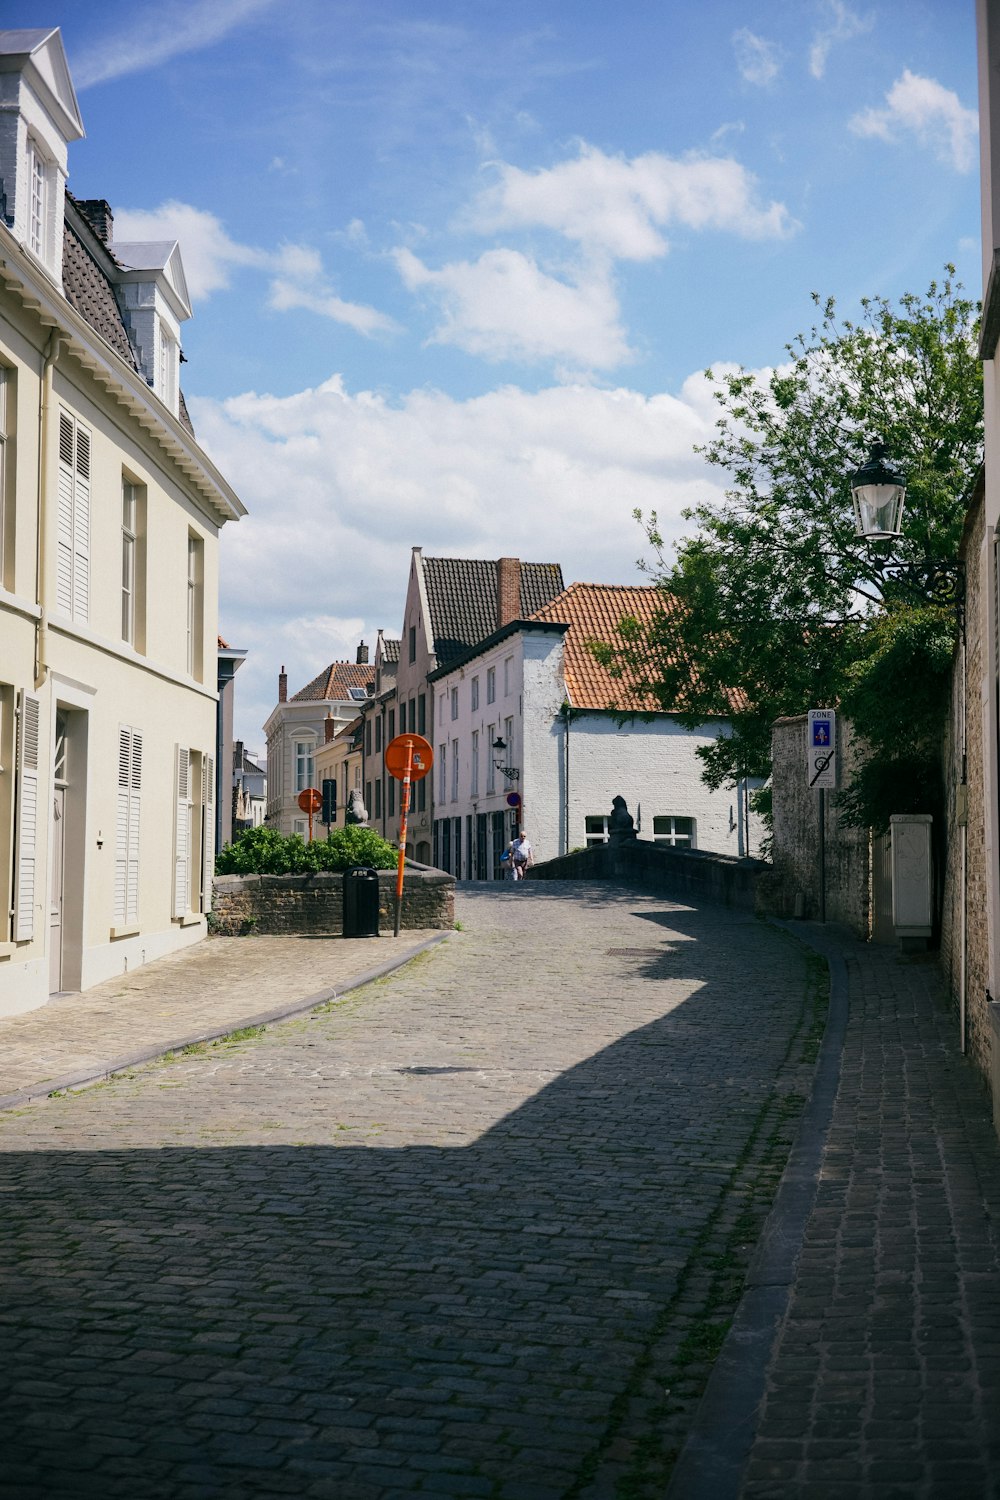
(878, 490)
(512, 773)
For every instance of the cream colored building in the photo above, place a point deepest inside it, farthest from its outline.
(109, 522)
(339, 759)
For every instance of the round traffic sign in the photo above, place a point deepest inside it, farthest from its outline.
(513, 799)
(409, 752)
(310, 800)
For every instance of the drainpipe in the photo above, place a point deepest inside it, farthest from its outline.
(41, 538)
(567, 714)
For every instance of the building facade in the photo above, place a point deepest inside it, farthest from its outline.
(110, 515)
(296, 728)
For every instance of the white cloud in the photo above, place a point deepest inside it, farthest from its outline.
(503, 306)
(210, 256)
(758, 60)
(926, 109)
(339, 486)
(166, 32)
(618, 206)
(844, 25)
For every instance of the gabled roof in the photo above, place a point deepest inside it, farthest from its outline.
(40, 57)
(246, 766)
(334, 683)
(462, 599)
(390, 650)
(593, 612)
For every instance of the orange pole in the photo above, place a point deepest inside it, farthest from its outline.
(404, 809)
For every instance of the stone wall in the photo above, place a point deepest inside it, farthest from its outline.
(792, 885)
(968, 856)
(675, 872)
(313, 904)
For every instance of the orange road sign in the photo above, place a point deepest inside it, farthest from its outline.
(310, 800)
(409, 755)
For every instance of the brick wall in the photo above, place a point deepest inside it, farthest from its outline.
(966, 711)
(792, 886)
(313, 904)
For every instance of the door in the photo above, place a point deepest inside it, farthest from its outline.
(56, 889)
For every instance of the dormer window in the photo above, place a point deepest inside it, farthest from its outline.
(38, 199)
(167, 388)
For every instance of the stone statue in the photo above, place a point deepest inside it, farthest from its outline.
(620, 825)
(356, 811)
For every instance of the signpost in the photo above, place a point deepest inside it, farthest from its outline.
(310, 801)
(821, 772)
(408, 757)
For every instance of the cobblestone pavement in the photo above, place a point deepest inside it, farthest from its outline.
(474, 1231)
(209, 987)
(886, 1377)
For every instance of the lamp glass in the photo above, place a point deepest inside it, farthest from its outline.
(878, 510)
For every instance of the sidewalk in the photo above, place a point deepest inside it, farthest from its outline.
(865, 1359)
(203, 992)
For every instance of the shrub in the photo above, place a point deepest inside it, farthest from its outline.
(265, 851)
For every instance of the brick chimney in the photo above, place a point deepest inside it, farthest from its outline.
(362, 655)
(98, 215)
(282, 686)
(238, 757)
(508, 590)
(329, 728)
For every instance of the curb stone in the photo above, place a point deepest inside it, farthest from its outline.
(302, 1006)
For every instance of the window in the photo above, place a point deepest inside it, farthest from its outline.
(491, 685)
(678, 832)
(38, 184)
(73, 545)
(491, 769)
(196, 607)
(126, 901)
(368, 736)
(167, 368)
(304, 768)
(378, 798)
(368, 795)
(422, 794)
(413, 643)
(454, 770)
(183, 830)
(596, 830)
(378, 734)
(474, 787)
(421, 714)
(474, 690)
(454, 702)
(508, 675)
(129, 520)
(508, 734)
(392, 796)
(442, 773)
(392, 724)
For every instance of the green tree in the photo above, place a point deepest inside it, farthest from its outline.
(768, 608)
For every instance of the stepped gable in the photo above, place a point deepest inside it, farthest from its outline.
(462, 599)
(335, 682)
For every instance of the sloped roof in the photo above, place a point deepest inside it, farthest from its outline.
(335, 682)
(390, 650)
(593, 612)
(90, 292)
(462, 599)
(247, 766)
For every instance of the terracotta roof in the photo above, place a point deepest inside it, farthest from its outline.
(462, 599)
(335, 683)
(593, 612)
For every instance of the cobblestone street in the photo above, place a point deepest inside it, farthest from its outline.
(476, 1229)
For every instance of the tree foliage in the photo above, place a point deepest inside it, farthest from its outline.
(769, 605)
(265, 851)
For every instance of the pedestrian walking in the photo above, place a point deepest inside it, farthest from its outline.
(520, 854)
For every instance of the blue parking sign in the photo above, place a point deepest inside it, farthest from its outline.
(821, 732)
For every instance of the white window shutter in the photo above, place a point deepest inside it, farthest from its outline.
(81, 527)
(208, 805)
(122, 824)
(134, 808)
(64, 544)
(182, 850)
(28, 729)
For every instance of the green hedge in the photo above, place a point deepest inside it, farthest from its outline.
(265, 851)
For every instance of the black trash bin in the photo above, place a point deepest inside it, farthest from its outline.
(360, 901)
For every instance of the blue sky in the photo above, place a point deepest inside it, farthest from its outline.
(458, 267)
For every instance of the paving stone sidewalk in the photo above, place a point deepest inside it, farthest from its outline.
(475, 1231)
(885, 1379)
(213, 987)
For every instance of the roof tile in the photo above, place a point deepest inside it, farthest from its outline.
(335, 682)
(462, 599)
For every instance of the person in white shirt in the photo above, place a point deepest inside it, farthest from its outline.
(520, 855)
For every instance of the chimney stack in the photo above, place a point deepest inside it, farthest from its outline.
(98, 215)
(362, 655)
(282, 686)
(329, 728)
(508, 590)
(238, 757)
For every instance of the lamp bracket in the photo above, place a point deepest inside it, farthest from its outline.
(929, 581)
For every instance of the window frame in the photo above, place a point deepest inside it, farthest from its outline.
(491, 684)
(674, 839)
